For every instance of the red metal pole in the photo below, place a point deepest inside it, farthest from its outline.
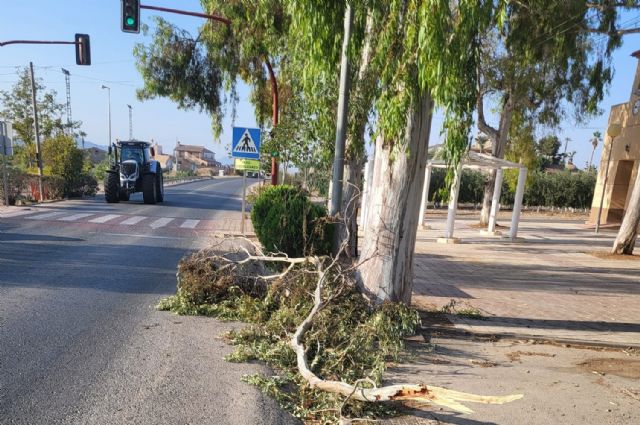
(274, 91)
(184, 12)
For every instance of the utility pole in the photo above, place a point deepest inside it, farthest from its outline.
(130, 123)
(37, 130)
(109, 99)
(4, 138)
(343, 112)
(67, 79)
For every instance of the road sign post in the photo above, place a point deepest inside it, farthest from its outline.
(245, 148)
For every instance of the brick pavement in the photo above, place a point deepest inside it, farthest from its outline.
(547, 285)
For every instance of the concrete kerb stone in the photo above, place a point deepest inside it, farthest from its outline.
(463, 329)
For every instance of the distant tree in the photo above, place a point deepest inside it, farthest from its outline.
(17, 108)
(595, 140)
(550, 59)
(548, 149)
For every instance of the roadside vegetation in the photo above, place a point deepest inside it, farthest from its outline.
(68, 171)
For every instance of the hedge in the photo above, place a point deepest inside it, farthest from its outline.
(562, 189)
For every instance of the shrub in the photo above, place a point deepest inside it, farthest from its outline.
(286, 221)
(16, 180)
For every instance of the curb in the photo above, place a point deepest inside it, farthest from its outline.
(458, 331)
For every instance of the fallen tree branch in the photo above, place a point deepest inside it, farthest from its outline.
(401, 392)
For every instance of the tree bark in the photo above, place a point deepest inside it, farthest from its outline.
(628, 233)
(499, 139)
(351, 194)
(385, 270)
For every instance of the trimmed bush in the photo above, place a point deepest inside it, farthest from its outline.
(561, 189)
(285, 220)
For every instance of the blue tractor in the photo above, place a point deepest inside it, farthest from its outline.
(133, 169)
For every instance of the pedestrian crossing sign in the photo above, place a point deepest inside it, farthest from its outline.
(245, 143)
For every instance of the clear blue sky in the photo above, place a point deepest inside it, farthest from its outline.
(113, 65)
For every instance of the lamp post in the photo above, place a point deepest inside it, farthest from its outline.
(130, 122)
(109, 91)
(613, 131)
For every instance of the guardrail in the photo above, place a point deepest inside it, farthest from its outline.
(187, 179)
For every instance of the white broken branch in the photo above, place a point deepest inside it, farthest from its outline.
(402, 392)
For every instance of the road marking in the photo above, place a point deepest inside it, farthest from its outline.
(75, 217)
(19, 213)
(190, 224)
(133, 220)
(161, 222)
(45, 216)
(145, 236)
(105, 218)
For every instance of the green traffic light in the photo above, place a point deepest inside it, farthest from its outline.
(130, 21)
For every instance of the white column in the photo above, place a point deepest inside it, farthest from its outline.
(365, 194)
(495, 202)
(425, 195)
(453, 203)
(517, 203)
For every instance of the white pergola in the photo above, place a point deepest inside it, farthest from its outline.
(477, 161)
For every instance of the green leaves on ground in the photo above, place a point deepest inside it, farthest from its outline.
(347, 341)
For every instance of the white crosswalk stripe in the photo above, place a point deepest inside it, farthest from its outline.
(161, 222)
(75, 217)
(133, 220)
(45, 216)
(105, 218)
(190, 224)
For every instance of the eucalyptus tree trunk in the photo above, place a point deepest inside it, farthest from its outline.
(499, 139)
(628, 233)
(351, 194)
(385, 270)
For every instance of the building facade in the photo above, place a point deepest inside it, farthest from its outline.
(193, 157)
(625, 159)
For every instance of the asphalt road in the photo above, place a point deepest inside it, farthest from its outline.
(80, 340)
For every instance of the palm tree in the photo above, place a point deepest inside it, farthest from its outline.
(594, 142)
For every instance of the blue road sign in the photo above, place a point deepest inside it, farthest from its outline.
(245, 143)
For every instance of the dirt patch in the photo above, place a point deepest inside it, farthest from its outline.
(604, 255)
(484, 226)
(625, 368)
(484, 363)
(514, 356)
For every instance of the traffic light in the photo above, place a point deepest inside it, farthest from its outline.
(130, 21)
(83, 49)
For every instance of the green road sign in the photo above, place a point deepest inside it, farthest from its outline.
(247, 164)
(275, 154)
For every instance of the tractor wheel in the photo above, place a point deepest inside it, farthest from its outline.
(123, 195)
(160, 187)
(111, 188)
(149, 189)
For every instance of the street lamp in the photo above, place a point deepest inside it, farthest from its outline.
(109, 90)
(130, 123)
(613, 131)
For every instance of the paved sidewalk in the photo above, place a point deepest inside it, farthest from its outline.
(547, 285)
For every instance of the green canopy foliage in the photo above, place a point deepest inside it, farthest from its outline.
(17, 108)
